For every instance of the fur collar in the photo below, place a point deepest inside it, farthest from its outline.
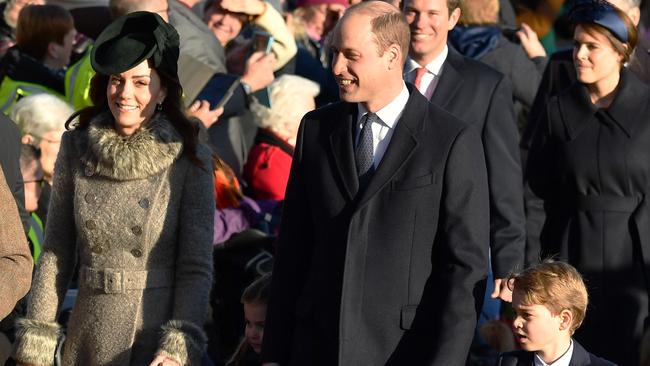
(147, 152)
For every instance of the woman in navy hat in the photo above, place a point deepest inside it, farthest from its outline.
(589, 163)
(132, 206)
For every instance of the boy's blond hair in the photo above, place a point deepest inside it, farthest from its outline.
(555, 285)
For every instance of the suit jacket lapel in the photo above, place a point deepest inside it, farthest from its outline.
(401, 145)
(342, 149)
(450, 80)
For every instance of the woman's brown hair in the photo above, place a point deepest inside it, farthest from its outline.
(172, 107)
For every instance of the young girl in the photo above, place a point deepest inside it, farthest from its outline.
(255, 299)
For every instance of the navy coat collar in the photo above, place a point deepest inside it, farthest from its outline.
(580, 357)
(577, 110)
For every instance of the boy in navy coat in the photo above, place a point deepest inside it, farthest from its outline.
(550, 302)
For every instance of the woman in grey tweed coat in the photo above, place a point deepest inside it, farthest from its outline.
(133, 203)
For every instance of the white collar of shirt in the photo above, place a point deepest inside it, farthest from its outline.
(430, 79)
(433, 67)
(382, 131)
(391, 113)
(565, 360)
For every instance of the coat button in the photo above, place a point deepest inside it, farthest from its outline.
(153, 179)
(90, 225)
(144, 203)
(97, 249)
(89, 171)
(136, 253)
(89, 197)
(137, 230)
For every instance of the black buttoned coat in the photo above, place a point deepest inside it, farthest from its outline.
(389, 275)
(592, 169)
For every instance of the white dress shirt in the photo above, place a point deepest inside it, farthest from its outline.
(382, 130)
(565, 360)
(429, 80)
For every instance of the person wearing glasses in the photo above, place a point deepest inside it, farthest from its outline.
(41, 118)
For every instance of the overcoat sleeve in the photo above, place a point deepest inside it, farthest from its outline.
(539, 165)
(507, 221)
(538, 173)
(291, 263)
(15, 259)
(183, 338)
(445, 319)
(37, 334)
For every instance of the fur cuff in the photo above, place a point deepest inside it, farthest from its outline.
(182, 341)
(36, 341)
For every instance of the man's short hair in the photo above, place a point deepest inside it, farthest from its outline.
(557, 286)
(38, 25)
(452, 5)
(388, 25)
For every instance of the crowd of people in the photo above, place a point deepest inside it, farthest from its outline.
(324, 182)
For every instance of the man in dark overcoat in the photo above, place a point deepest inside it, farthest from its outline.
(481, 96)
(382, 251)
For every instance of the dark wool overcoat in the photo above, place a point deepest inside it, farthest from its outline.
(481, 96)
(136, 215)
(389, 275)
(592, 169)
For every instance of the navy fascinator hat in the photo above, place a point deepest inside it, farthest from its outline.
(133, 38)
(602, 13)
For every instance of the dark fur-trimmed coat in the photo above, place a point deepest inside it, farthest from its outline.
(138, 215)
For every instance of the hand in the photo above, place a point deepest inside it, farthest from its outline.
(529, 42)
(200, 110)
(259, 70)
(161, 360)
(502, 290)
(250, 7)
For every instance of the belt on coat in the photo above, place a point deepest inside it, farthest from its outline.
(117, 281)
(607, 203)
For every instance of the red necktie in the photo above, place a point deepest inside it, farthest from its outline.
(419, 72)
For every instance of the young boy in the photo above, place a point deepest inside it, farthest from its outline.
(550, 301)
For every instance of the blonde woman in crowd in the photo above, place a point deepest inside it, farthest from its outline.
(269, 161)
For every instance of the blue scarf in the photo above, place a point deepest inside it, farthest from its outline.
(474, 41)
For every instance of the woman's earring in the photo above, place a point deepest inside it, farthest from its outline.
(159, 107)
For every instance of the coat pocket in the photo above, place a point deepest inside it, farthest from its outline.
(406, 317)
(412, 183)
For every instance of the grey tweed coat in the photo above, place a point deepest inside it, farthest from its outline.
(138, 215)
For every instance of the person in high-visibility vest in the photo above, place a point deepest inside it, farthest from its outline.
(36, 64)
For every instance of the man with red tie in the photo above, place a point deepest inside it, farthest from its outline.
(481, 96)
